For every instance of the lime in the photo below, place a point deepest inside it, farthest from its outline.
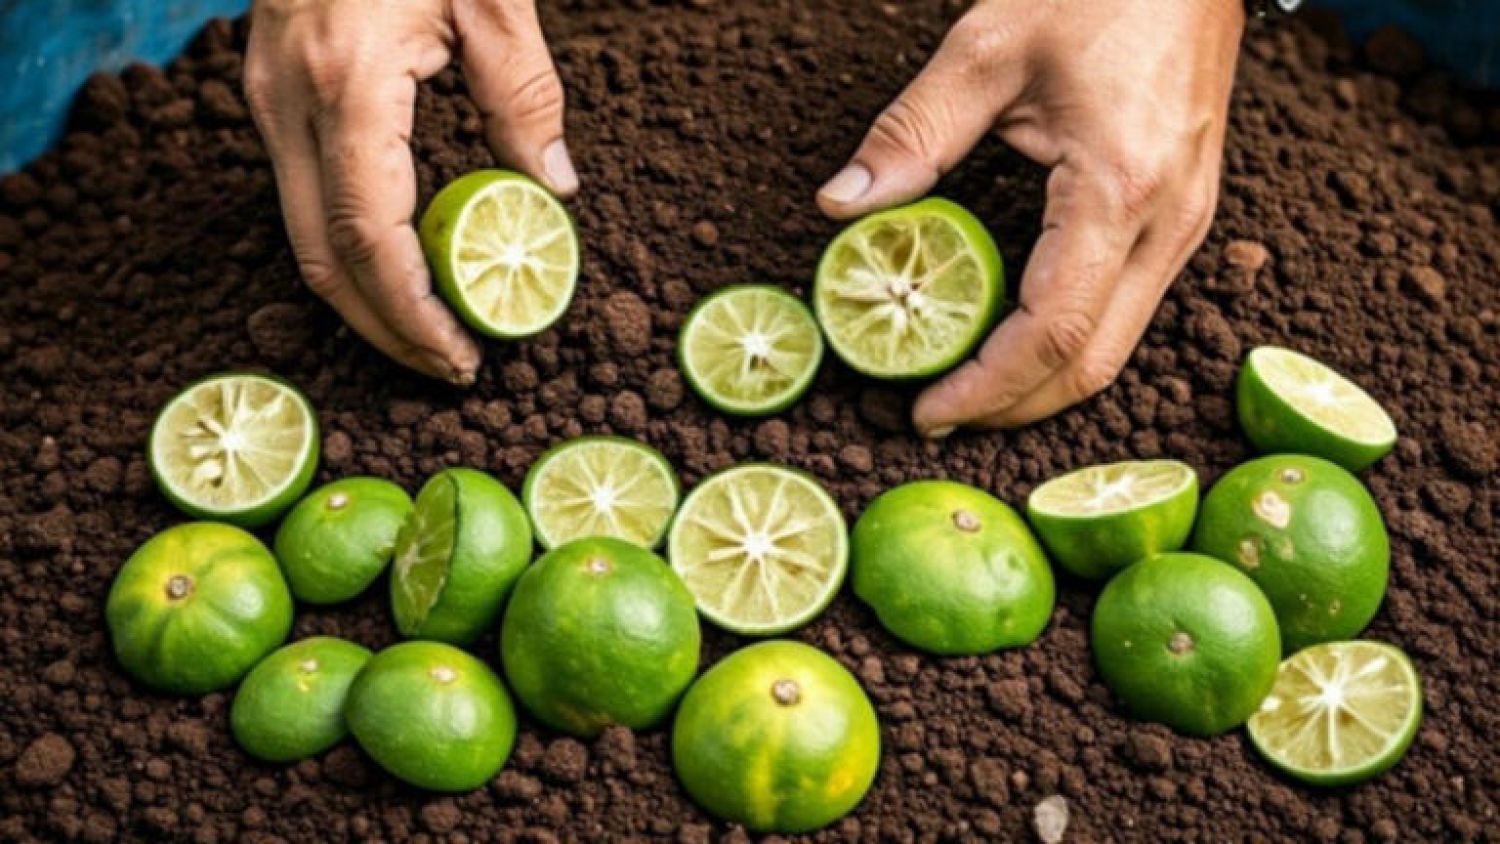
(196, 606)
(778, 737)
(291, 704)
(503, 252)
(908, 292)
(951, 569)
(458, 556)
(1289, 402)
(750, 349)
(339, 538)
(1340, 712)
(432, 715)
(1186, 640)
(601, 486)
(762, 548)
(1100, 519)
(236, 447)
(1309, 534)
(599, 632)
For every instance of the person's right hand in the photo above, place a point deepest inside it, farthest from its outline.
(332, 85)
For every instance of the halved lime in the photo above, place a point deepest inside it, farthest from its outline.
(503, 251)
(1289, 402)
(1339, 713)
(601, 486)
(908, 292)
(750, 349)
(236, 447)
(457, 557)
(762, 548)
(1100, 519)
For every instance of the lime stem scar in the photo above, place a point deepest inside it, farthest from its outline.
(965, 521)
(179, 586)
(786, 692)
(1180, 643)
(443, 674)
(338, 501)
(598, 565)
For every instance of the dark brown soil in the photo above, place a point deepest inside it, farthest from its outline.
(147, 249)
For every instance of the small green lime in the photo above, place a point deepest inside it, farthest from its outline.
(750, 349)
(339, 538)
(291, 704)
(1289, 402)
(601, 486)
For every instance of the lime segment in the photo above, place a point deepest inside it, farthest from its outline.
(751, 349)
(236, 447)
(908, 292)
(425, 548)
(1099, 519)
(601, 486)
(762, 548)
(1289, 402)
(1339, 713)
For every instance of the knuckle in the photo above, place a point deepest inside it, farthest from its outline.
(353, 235)
(321, 278)
(1064, 337)
(1136, 185)
(540, 97)
(907, 127)
(1091, 376)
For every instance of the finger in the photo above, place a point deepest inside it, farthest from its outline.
(516, 87)
(1086, 236)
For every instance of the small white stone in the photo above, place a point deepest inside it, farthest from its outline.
(1051, 819)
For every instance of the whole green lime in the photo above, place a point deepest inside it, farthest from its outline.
(951, 569)
(1187, 641)
(196, 606)
(339, 538)
(599, 632)
(291, 705)
(1310, 535)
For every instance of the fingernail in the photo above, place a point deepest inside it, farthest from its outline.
(850, 184)
(558, 166)
(939, 433)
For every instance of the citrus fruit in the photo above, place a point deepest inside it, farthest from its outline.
(599, 632)
(750, 349)
(762, 548)
(1309, 534)
(1340, 712)
(235, 447)
(1289, 402)
(908, 292)
(432, 715)
(778, 737)
(338, 539)
(503, 252)
(601, 486)
(951, 569)
(291, 704)
(1100, 519)
(457, 557)
(196, 606)
(1187, 641)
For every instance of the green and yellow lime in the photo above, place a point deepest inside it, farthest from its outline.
(1289, 402)
(432, 715)
(1309, 534)
(951, 569)
(196, 606)
(458, 556)
(750, 349)
(1100, 519)
(777, 737)
(291, 704)
(339, 538)
(235, 447)
(599, 632)
(601, 486)
(1187, 641)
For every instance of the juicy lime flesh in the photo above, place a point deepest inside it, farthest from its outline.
(601, 487)
(1340, 711)
(515, 256)
(231, 443)
(751, 348)
(1328, 398)
(424, 551)
(903, 293)
(1113, 487)
(761, 548)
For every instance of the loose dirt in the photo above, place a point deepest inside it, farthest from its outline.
(147, 249)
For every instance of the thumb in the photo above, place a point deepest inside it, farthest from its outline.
(515, 85)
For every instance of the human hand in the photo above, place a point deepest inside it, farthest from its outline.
(1125, 101)
(332, 85)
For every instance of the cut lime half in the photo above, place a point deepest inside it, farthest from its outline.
(750, 349)
(1100, 519)
(1339, 713)
(762, 548)
(908, 292)
(503, 251)
(1289, 402)
(601, 486)
(235, 447)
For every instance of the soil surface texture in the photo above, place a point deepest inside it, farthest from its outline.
(1357, 223)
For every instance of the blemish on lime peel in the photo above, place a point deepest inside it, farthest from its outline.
(1272, 509)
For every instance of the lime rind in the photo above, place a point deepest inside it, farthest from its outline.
(601, 486)
(750, 349)
(1289, 402)
(424, 553)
